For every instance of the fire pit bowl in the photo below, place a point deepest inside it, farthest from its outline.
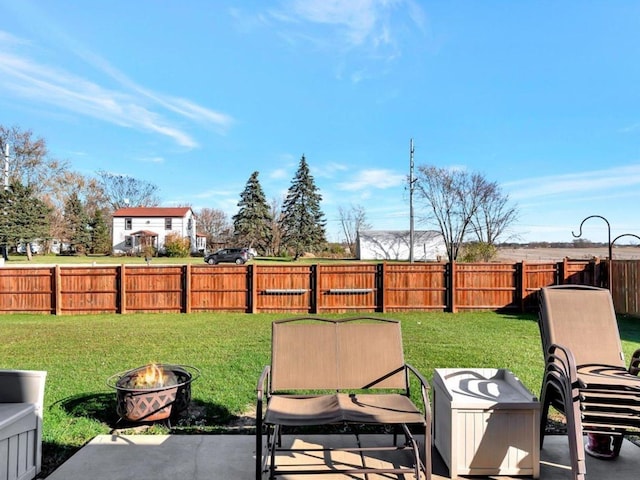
(153, 392)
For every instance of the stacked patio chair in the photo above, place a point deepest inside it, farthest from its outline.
(585, 376)
(350, 373)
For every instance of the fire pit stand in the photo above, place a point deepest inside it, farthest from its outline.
(166, 395)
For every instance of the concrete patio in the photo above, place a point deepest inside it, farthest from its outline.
(200, 457)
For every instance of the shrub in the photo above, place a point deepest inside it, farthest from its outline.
(478, 252)
(176, 246)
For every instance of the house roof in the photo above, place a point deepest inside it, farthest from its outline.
(152, 212)
(144, 233)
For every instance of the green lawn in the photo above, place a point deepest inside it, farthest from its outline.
(81, 352)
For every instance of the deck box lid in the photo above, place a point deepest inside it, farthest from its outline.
(12, 412)
(483, 388)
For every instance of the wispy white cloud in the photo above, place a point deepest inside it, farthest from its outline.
(131, 106)
(278, 174)
(216, 193)
(595, 182)
(358, 19)
(329, 170)
(369, 27)
(152, 160)
(373, 179)
(631, 128)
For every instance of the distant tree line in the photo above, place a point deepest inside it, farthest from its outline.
(44, 200)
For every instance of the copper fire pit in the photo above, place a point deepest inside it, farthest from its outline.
(153, 392)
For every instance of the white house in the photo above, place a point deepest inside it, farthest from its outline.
(428, 245)
(136, 227)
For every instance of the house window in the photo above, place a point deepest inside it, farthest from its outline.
(128, 241)
(127, 223)
(190, 224)
(167, 224)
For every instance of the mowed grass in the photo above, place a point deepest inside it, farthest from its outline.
(81, 352)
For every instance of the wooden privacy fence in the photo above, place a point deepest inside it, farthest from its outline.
(330, 288)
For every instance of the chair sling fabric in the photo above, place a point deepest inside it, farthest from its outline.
(358, 366)
(585, 375)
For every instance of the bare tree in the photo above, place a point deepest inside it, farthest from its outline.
(30, 164)
(276, 231)
(67, 184)
(353, 220)
(122, 191)
(493, 216)
(452, 198)
(215, 225)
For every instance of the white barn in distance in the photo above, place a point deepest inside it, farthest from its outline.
(428, 245)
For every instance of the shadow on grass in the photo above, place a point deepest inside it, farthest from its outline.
(96, 406)
(101, 407)
(54, 455)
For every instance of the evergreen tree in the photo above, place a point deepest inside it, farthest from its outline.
(100, 241)
(302, 221)
(76, 224)
(252, 223)
(23, 217)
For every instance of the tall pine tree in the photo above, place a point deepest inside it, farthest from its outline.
(100, 238)
(76, 223)
(302, 221)
(252, 223)
(23, 217)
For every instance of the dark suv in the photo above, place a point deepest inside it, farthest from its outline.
(228, 255)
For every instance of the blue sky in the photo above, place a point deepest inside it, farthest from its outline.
(542, 97)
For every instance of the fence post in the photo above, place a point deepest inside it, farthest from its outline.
(382, 294)
(522, 274)
(452, 287)
(57, 290)
(123, 293)
(186, 288)
(314, 288)
(565, 270)
(252, 288)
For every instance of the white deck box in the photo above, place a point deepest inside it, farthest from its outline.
(485, 422)
(21, 404)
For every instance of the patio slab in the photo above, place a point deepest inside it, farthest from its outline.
(200, 457)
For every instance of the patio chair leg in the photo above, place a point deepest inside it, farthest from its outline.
(258, 454)
(427, 451)
(544, 412)
(576, 442)
(276, 441)
(616, 445)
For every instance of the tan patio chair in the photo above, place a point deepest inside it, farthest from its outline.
(585, 375)
(348, 372)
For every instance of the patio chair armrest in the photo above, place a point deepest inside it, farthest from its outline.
(424, 389)
(418, 375)
(560, 362)
(634, 364)
(262, 382)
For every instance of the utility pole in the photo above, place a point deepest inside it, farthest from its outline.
(411, 185)
(3, 247)
(6, 166)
